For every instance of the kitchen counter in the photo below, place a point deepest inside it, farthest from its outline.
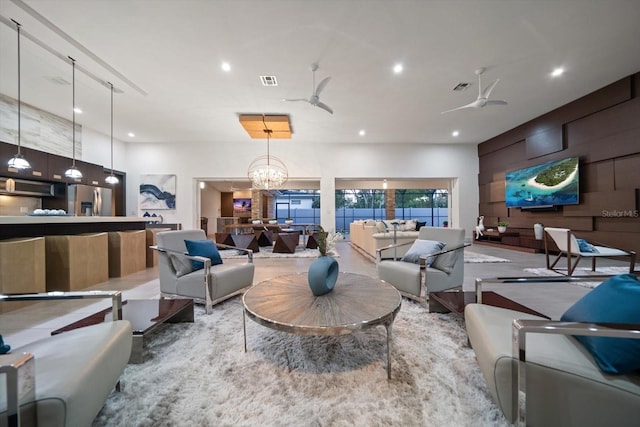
(41, 219)
(50, 225)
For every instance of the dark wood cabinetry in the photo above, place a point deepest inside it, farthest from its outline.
(50, 168)
(521, 239)
(91, 174)
(602, 130)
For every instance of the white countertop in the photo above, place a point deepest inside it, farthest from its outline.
(45, 219)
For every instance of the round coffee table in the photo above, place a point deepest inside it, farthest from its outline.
(357, 302)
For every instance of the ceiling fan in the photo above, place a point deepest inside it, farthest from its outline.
(315, 98)
(483, 95)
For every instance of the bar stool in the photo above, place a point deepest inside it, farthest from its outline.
(75, 262)
(22, 268)
(127, 252)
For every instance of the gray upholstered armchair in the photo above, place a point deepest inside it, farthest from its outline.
(210, 285)
(446, 271)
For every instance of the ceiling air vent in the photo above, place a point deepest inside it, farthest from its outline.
(268, 80)
(461, 86)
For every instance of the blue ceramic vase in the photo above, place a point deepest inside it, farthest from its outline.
(323, 273)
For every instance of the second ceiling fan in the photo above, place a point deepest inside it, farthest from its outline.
(483, 95)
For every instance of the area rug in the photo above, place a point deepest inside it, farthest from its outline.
(197, 374)
(474, 258)
(579, 271)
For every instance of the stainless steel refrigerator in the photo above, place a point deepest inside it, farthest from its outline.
(86, 200)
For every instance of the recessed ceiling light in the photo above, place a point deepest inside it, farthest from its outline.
(455, 133)
(397, 68)
(131, 134)
(226, 66)
(362, 132)
(77, 110)
(557, 72)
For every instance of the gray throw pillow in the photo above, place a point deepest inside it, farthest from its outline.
(422, 247)
(445, 262)
(181, 265)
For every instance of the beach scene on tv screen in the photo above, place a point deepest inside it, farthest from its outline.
(547, 184)
(241, 205)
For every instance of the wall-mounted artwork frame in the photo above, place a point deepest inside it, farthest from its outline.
(157, 192)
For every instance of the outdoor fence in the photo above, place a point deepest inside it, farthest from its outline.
(344, 216)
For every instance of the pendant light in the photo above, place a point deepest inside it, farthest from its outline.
(73, 172)
(267, 172)
(18, 161)
(111, 179)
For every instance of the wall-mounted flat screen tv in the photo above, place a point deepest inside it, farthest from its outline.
(241, 205)
(547, 184)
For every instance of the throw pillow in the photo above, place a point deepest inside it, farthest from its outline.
(422, 247)
(614, 301)
(420, 224)
(204, 248)
(4, 348)
(445, 262)
(409, 226)
(380, 227)
(180, 264)
(585, 246)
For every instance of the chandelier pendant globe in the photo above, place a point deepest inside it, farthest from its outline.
(267, 172)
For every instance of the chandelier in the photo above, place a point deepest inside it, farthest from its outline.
(267, 172)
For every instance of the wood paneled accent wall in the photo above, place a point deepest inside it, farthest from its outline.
(603, 130)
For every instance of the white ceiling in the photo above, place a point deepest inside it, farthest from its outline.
(172, 51)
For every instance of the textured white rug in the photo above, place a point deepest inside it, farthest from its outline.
(197, 374)
(579, 271)
(474, 257)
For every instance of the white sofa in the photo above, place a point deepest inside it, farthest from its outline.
(370, 235)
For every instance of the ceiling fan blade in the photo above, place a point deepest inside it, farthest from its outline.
(474, 104)
(321, 86)
(496, 102)
(324, 107)
(296, 99)
(487, 91)
(456, 109)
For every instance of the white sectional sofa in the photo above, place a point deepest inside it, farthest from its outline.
(369, 235)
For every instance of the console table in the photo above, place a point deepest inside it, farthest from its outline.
(519, 239)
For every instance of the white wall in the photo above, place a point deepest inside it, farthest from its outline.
(96, 148)
(323, 162)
